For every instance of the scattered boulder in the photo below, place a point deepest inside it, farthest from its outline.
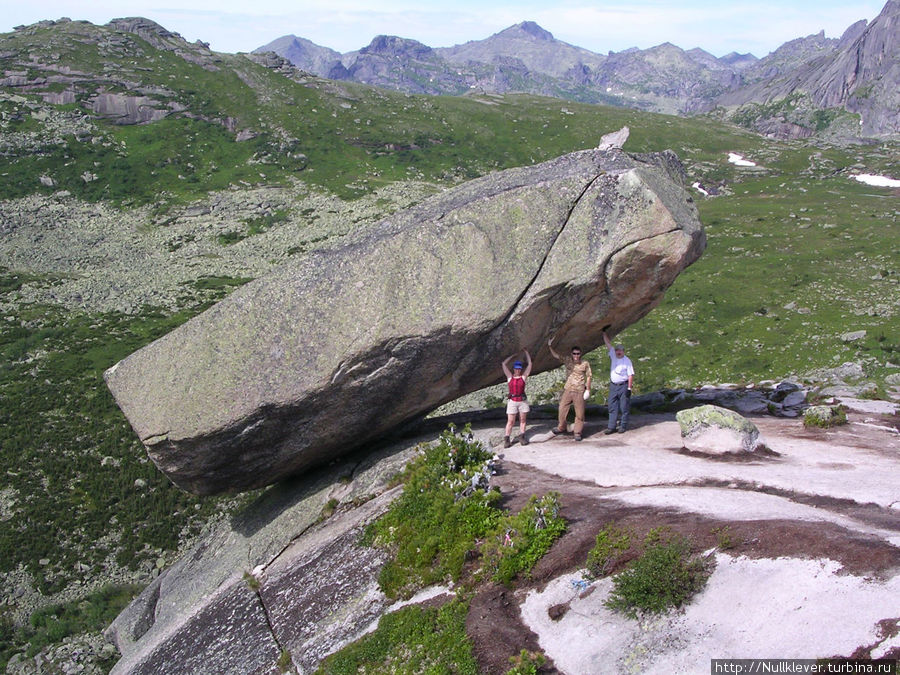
(716, 430)
(824, 416)
(333, 351)
(853, 336)
(614, 140)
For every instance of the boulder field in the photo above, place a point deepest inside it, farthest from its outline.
(331, 352)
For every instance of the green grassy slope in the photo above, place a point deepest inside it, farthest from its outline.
(797, 257)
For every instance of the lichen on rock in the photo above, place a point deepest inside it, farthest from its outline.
(716, 430)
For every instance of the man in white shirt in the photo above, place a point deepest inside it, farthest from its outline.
(621, 381)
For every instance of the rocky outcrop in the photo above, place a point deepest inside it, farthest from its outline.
(123, 109)
(331, 352)
(860, 73)
(286, 574)
(711, 429)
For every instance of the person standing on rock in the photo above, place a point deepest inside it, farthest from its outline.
(575, 391)
(517, 403)
(621, 381)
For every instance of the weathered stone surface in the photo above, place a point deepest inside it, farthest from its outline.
(712, 429)
(123, 109)
(332, 351)
(312, 589)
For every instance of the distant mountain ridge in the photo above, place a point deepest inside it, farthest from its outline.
(802, 87)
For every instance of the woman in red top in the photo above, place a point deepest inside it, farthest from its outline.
(517, 403)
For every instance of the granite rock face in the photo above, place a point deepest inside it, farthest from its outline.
(331, 352)
(278, 576)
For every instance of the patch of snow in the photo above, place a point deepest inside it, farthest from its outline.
(738, 160)
(699, 188)
(878, 181)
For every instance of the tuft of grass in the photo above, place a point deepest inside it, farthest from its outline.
(526, 663)
(284, 662)
(665, 576)
(412, 640)
(251, 581)
(724, 540)
(329, 509)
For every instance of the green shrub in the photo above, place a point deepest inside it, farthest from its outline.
(446, 508)
(433, 526)
(824, 416)
(526, 663)
(611, 542)
(523, 539)
(666, 575)
(492, 401)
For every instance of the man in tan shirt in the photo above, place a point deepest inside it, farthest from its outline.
(575, 391)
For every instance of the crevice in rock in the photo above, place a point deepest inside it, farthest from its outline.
(515, 304)
(265, 611)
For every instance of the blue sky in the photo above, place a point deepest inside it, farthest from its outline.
(757, 26)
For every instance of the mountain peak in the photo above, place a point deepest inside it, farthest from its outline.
(529, 28)
(391, 45)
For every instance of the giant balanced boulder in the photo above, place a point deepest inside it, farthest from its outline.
(328, 353)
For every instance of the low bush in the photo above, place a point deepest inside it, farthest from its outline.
(824, 416)
(611, 542)
(524, 538)
(445, 507)
(665, 576)
(526, 663)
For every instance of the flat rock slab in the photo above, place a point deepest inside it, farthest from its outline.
(827, 498)
(331, 352)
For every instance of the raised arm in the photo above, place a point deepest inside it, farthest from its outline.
(506, 367)
(527, 371)
(606, 340)
(553, 351)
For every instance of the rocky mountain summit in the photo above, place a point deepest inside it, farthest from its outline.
(859, 73)
(812, 79)
(258, 387)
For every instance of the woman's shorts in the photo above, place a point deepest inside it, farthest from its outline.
(514, 407)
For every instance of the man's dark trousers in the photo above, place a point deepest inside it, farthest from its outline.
(619, 404)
